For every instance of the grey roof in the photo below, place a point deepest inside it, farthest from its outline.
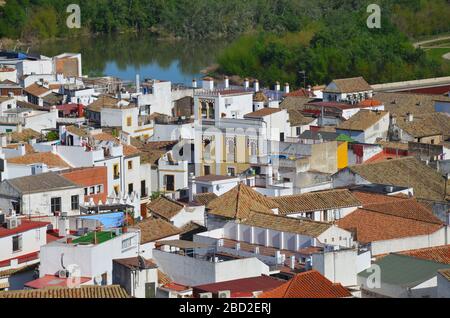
(326, 135)
(406, 271)
(41, 182)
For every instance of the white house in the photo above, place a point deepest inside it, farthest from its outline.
(366, 126)
(347, 90)
(89, 256)
(44, 194)
(20, 241)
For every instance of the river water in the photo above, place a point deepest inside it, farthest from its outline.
(126, 55)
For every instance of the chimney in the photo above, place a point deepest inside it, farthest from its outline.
(19, 128)
(138, 84)
(277, 86)
(227, 82)
(286, 88)
(192, 187)
(246, 84)
(256, 85)
(292, 262)
(208, 83)
(63, 227)
(194, 83)
(4, 141)
(410, 117)
(22, 150)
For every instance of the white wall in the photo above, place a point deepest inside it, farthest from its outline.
(32, 241)
(437, 238)
(93, 260)
(193, 272)
(338, 266)
(189, 214)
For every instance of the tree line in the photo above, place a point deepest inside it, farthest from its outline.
(206, 18)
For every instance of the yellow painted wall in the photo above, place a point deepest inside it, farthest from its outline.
(342, 155)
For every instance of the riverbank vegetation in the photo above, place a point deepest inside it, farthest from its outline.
(207, 18)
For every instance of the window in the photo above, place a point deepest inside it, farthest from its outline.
(99, 188)
(231, 171)
(299, 131)
(130, 165)
(204, 189)
(207, 170)
(116, 171)
(129, 121)
(55, 205)
(17, 243)
(86, 191)
(116, 189)
(143, 189)
(75, 202)
(92, 190)
(130, 188)
(127, 243)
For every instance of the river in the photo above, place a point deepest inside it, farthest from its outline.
(126, 55)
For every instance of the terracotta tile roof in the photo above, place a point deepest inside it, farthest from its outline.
(155, 229)
(408, 172)
(393, 145)
(445, 273)
(14, 271)
(301, 93)
(36, 90)
(370, 226)
(165, 207)
(163, 279)
(400, 104)
(439, 254)
(205, 198)
(297, 103)
(239, 202)
(25, 226)
(112, 291)
(104, 101)
(213, 177)
(23, 136)
(133, 263)
(50, 159)
(260, 97)
(41, 182)
(263, 112)
(349, 85)
(363, 120)
(240, 286)
(286, 224)
(370, 103)
(408, 208)
(296, 118)
(424, 125)
(367, 198)
(81, 132)
(128, 150)
(316, 201)
(309, 284)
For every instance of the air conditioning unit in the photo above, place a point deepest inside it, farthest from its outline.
(12, 223)
(205, 295)
(64, 214)
(224, 294)
(63, 273)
